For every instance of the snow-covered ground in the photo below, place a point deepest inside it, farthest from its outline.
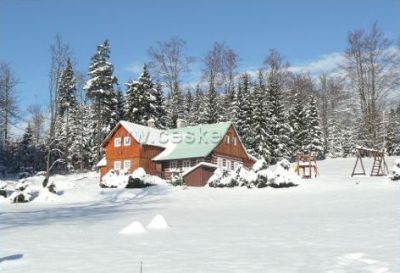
(334, 223)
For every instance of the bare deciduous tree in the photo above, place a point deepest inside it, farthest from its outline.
(59, 54)
(220, 66)
(37, 122)
(372, 66)
(169, 61)
(8, 101)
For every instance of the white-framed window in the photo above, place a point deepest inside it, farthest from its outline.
(227, 139)
(232, 165)
(186, 164)
(223, 163)
(127, 141)
(173, 165)
(234, 141)
(117, 142)
(127, 164)
(117, 165)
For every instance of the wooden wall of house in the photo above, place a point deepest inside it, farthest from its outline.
(139, 155)
(230, 150)
(199, 177)
(166, 171)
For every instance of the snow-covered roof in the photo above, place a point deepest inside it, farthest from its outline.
(102, 162)
(206, 164)
(193, 141)
(142, 134)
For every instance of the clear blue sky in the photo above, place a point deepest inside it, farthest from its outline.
(303, 31)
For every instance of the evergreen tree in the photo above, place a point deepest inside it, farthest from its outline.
(174, 107)
(100, 88)
(260, 121)
(188, 104)
(26, 148)
(120, 106)
(335, 139)
(278, 124)
(196, 111)
(242, 111)
(159, 108)
(67, 90)
(313, 140)
(211, 106)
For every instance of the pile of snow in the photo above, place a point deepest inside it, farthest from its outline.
(395, 173)
(259, 176)
(158, 222)
(133, 228)
(45, 196)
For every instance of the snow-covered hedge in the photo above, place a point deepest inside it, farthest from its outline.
(395, 173)
(260, 176)
(137, 179)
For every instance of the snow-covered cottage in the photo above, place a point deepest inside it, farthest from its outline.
(193, 152)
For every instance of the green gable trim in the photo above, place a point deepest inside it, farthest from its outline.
(192, 141)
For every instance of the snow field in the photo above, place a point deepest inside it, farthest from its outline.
(334, 224)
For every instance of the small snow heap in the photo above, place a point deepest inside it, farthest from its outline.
(395, 173)
(222, 178)
(124, 179)
(158, 222)
(45, 195)
(22, 193)
(133, 228)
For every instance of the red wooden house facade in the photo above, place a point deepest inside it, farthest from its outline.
(191, 152)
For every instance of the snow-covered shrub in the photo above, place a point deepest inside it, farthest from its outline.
(222, 178)
(176, 180)
(137, 179)
(3, 189)
(22, 193)
(245, 178)
(395, 173)
(114, 180)
(283, 176)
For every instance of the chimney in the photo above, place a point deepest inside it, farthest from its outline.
(180, 123)
(150, 123)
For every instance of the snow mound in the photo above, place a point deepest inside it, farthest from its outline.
(158, 222)
(45, 196)
(133, 228)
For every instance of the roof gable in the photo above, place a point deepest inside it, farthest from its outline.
(142, 134)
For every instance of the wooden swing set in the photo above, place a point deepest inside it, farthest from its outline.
(379, 167)
(308, 164)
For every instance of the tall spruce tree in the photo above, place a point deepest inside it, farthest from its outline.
(260, 120)
(211, 113)
(100, 88)
(313, 140)
(278, 124)
(196, 111)
(159, 108)
(242, 111)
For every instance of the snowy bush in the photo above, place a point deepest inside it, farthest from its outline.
(395, 173)
(137, 179)
(260, 176)
(22, 193)
(176, 180)
(3, 189)
(223, 178)
(283, 176)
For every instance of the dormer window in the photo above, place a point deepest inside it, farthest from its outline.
(127, 141)
(234, 141)
(117, 142)
(227, 139)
